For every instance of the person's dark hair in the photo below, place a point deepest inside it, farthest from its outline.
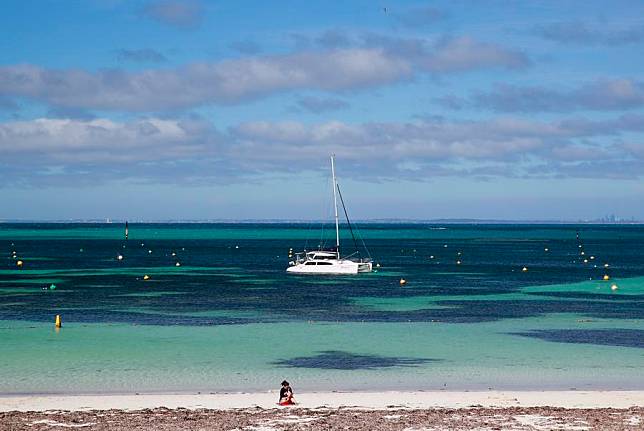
(285, 383)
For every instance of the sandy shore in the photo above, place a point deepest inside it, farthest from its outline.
(367, 400)
(395, 411)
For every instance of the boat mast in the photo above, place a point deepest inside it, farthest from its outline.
(335, 207)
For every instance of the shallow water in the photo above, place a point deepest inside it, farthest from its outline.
(230, 318)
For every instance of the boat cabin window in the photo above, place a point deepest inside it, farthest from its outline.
(324, 256)
(325, 263)
(309, 263)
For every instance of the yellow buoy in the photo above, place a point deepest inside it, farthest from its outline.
(59, 322)
(19, 263)
(524, 269)
(613, 287)
(403, 281)
(606, 277)
(146, 277)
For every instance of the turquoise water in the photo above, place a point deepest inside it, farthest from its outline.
(230, 318)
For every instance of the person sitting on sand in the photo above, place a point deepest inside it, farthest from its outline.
(286, 394)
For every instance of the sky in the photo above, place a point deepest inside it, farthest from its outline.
(166, 109)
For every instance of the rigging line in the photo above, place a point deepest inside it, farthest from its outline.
(355, 243)
(363, 243)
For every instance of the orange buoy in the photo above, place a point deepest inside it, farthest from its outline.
(59, 322)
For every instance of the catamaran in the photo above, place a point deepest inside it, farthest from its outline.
(329, 261)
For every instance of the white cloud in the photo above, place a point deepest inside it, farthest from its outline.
(377, 62)
(184, 14)
(102, 141)
(464, 53)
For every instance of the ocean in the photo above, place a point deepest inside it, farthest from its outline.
(229, 318)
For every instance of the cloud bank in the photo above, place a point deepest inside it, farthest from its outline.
(238, 80)
(602, 95)
(151, 148)
(580, 33)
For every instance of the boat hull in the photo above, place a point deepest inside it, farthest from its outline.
(326, 267)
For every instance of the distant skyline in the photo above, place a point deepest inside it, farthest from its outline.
(165, 109)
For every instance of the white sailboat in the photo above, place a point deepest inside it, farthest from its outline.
(329, 261)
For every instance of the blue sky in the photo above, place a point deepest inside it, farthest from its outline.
(161, 109)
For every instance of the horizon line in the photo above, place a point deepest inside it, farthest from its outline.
(294, 221)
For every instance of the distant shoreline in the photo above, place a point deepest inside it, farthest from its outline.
(359, 221)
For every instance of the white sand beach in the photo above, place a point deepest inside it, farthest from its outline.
(365, 400)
